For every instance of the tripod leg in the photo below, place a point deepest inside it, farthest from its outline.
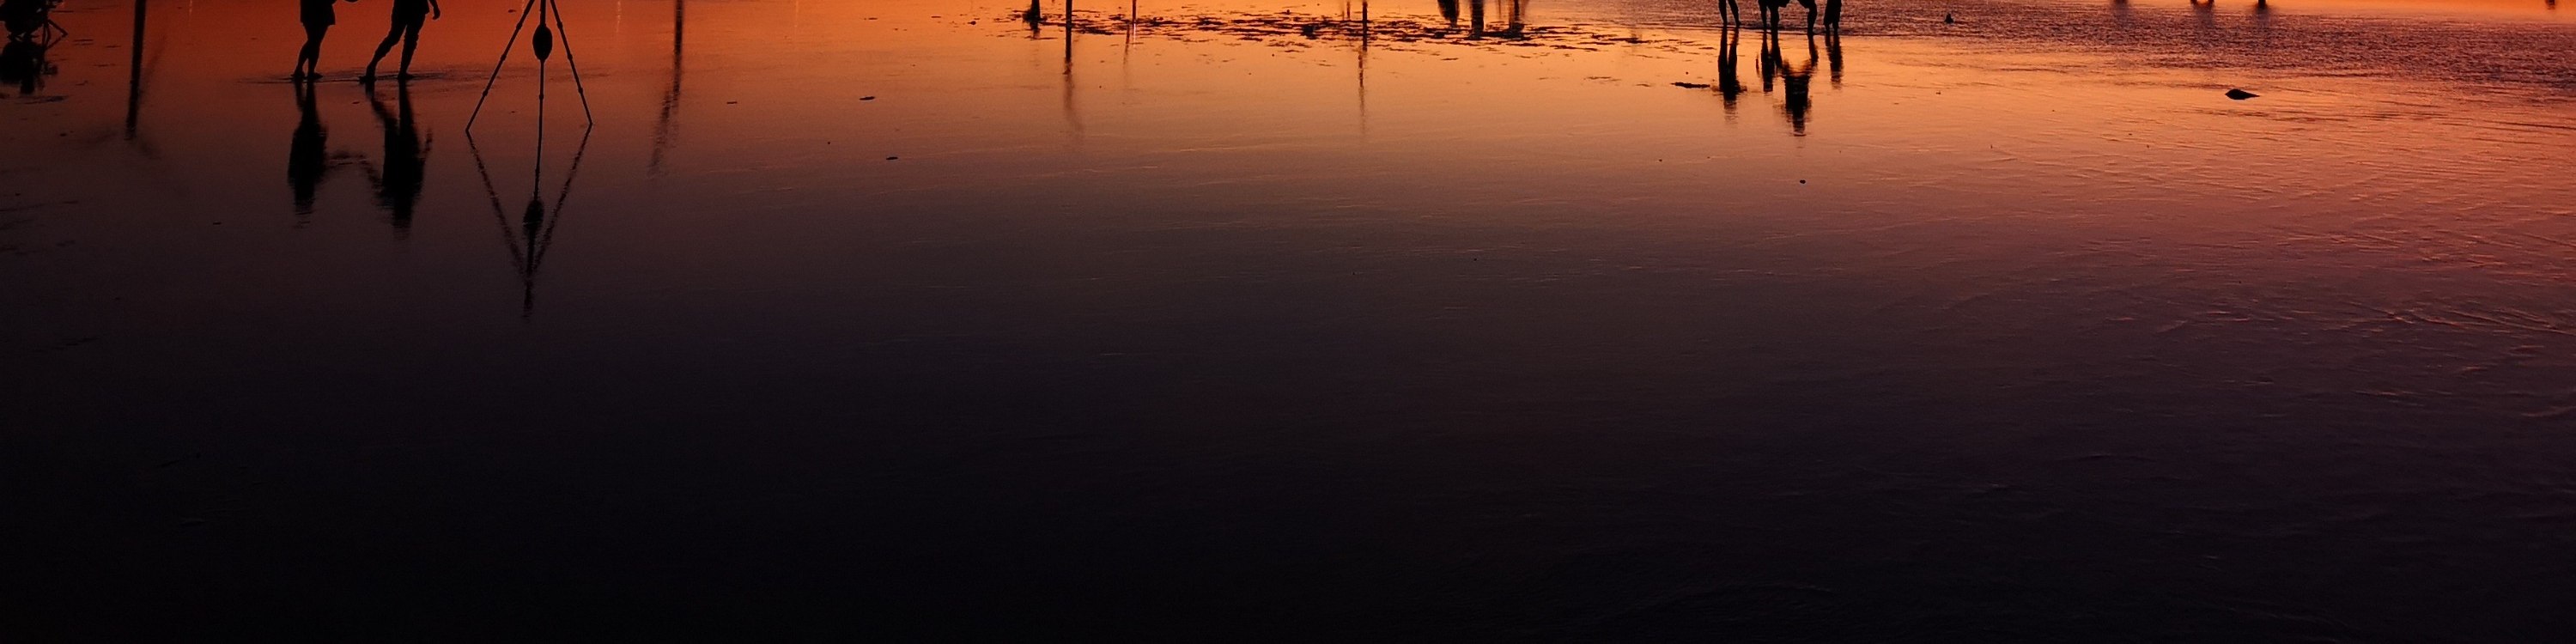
(564, 37)
(496, 66)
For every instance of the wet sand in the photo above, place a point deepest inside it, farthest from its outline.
(914, 320)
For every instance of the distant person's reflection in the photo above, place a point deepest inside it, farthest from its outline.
(306, 160)
(23, 63)
(1834, 56)
(1729, 85)
(405, 162)
(1794, 81)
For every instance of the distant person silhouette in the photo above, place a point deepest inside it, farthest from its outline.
(405, 161)
(1833, 16)
(1449, 10)
(318, 19)
(24, 18)
(409, 16)
(306, 161)
(1771, 12)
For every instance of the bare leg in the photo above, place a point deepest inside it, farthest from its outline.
(411, 41)
(309, 59)
(382, 48)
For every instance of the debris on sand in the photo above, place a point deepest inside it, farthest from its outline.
(1684, 85)
(2239, 94)
(1387, 33)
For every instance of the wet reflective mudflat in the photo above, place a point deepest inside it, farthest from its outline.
(1583, 320)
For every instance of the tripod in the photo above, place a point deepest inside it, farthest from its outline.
(544, 45)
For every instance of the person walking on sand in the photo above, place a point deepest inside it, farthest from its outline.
(409, 15)
(317, 21)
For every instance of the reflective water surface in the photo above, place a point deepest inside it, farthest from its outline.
(1520, 319)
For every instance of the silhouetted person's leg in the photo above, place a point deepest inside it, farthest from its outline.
(411, 42)
(382, 48)
(308, 60)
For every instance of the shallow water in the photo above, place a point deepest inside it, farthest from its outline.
(914, 319)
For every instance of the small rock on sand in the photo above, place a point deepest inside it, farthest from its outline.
(1684, 85)
(2239, 94)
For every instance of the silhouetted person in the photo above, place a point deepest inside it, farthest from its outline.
(1475, 18)
(23, 18)
(409, 16)
(1449, 10)
(1512, 24)
(318, 18)
(305, 158)
(405, 161)
(1771, 12)
(1033, 16)
(1833, 16)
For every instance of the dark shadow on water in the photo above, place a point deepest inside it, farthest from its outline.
(134, 75)
(1794, 81)
(1730, 86)
(664, 130)
(31, 33)
(398, 174)
(528, 238)
(23, 65)
(1834, 57)
(307, 160)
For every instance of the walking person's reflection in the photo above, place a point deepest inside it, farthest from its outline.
(1794, 83)
(306, 161)
(1729, 86)
(1834, 56)
(409, 17)
(23, 63)
(318, 18)
(398, 176)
